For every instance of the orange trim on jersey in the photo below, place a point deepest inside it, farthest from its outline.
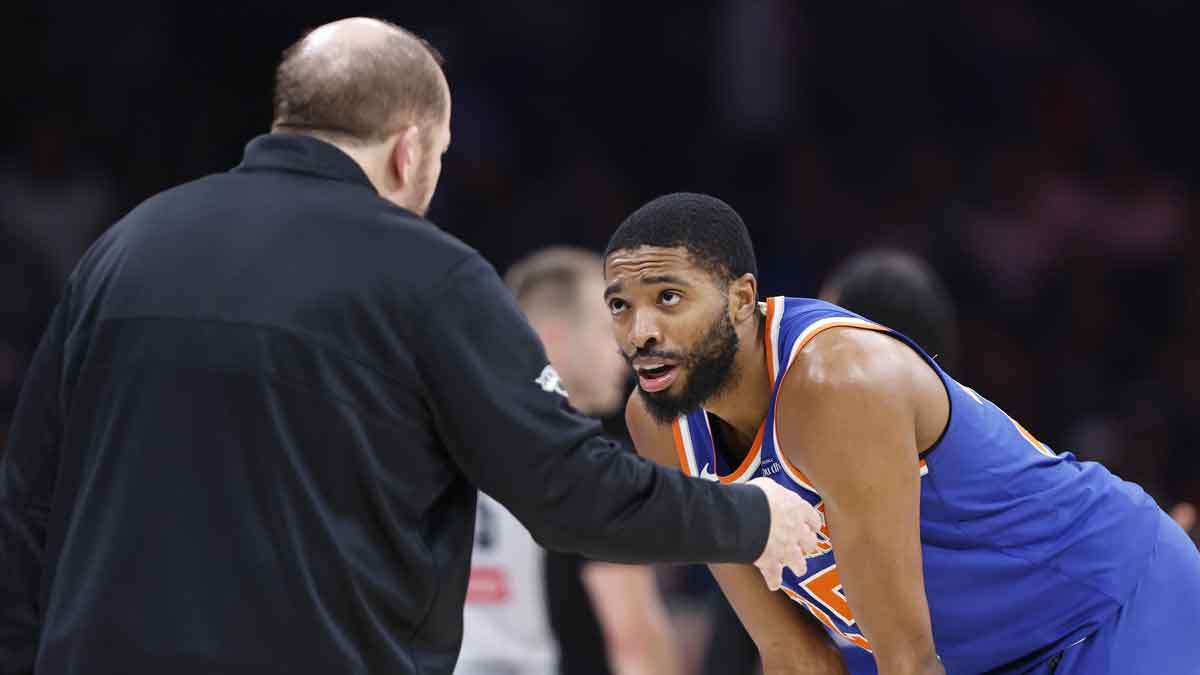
(855, 638)
(824, 585)
(755, 448)
(851, 323)
(680, 450)
(769, 343)
(1037, 445)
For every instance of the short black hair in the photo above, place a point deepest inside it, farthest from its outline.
(711, 231)
(902, 292)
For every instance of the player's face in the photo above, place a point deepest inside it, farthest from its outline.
(672, 321)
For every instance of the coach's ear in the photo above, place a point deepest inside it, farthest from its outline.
(743, 297)
(404, 158)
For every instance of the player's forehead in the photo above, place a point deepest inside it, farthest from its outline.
(650, 265)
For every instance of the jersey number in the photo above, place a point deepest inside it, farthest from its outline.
(826, 587)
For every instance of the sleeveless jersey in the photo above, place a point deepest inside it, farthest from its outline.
(506, 627)
(1024, 550)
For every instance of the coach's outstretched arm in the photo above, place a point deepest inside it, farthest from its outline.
(507, 424)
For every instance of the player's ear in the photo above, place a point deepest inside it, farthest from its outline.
(403, 159)
(743, 297)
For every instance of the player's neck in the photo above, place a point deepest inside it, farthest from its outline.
(743, 406)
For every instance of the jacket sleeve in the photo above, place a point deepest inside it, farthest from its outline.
(505, 420)
(27, 473)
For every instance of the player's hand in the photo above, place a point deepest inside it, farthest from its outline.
(793, 534)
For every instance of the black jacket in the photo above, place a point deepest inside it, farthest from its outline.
(251, 438)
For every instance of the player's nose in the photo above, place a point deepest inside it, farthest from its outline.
(645, 330)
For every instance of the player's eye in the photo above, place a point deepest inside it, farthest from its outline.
(616, 306)
(669, 298)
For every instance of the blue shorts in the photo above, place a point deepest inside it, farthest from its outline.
(1158, 631)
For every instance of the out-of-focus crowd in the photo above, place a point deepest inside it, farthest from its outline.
(1041, 160)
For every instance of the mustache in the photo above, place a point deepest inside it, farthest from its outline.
(657, 353)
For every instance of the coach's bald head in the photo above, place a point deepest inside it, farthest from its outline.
(376, 91)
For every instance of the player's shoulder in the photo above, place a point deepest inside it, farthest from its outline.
(849, 363)
(653, 440)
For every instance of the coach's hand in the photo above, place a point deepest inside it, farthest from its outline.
(794, 527)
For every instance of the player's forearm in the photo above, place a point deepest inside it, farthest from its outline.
(822, 658)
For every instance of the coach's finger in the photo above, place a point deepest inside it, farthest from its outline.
(772, 574)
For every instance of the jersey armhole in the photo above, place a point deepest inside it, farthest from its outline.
(818, 327)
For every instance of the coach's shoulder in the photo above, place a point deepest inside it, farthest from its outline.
(416, 254)
(417, 235)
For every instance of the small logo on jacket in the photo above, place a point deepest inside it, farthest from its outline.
(550, 382)
(707, 474)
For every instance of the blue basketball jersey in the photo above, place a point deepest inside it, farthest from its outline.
(1024, 550)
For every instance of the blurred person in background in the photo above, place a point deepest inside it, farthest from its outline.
(963, 543)
(901, 291)
(252, 436)
(525, 606)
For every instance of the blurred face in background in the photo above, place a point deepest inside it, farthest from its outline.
(579, 344)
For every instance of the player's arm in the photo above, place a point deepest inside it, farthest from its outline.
(847, 418)
(789, 640)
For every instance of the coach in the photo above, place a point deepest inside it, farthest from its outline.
(251, 438)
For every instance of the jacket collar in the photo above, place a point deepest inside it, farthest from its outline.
(302, 154)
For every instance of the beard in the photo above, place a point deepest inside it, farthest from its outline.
(711, 370)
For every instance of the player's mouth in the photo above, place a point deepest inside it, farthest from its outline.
(655, 375)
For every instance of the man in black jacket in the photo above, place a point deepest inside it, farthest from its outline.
(251, 437)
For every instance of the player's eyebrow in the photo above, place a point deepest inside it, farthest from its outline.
(663, 279)
(619, 285)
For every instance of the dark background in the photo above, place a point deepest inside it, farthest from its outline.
(1043, 159)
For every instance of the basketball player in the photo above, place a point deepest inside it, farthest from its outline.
(533, 612)
(898, 290)
(955, 541)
